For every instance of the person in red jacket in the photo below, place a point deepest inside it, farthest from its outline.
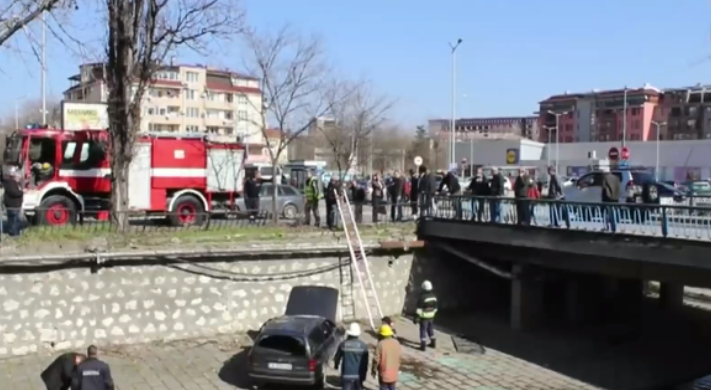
(533, 194)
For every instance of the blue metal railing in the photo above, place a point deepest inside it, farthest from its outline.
(673, 221)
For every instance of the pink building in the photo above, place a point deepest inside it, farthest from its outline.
(599, 116)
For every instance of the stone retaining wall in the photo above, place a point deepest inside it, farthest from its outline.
(72, 308)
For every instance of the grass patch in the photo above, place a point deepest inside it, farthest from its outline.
(39, 236)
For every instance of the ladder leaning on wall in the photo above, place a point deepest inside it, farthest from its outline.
(359, 262)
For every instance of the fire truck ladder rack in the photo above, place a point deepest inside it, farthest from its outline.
(359, 262)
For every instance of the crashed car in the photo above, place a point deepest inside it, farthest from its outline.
(295, 348)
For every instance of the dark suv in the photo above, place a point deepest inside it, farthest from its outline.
(294, 349)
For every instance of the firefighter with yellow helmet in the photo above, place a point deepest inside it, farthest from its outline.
(425, 315)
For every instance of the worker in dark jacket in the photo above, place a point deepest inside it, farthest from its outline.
(498, 190)
(523, 204)
(252, 188)
(453, 189)
(330, 194)
(59, 374)
(92, 373)
(352, 357)
(425, 315)
(610, 194)
(12, 199)
(479, 186)
(414, 191)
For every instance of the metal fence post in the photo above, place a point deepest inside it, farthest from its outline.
(665, 225)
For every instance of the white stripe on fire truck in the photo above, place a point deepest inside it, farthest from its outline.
(156, 172)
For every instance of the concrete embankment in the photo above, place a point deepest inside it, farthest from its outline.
(56, 304)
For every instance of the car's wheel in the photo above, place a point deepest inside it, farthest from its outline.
(290, 211)
(57, 210)
(188, 211)
(320, 382)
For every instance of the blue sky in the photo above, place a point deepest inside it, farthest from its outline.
(515, 52)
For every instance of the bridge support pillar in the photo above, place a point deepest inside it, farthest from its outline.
(671, 295)
(631, 291)
(526, 300)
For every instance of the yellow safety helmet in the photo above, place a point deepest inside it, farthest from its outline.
(45, 166)
(386, 331)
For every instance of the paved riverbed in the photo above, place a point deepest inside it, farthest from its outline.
(218, 363)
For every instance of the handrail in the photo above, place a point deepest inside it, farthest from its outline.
(672, 221)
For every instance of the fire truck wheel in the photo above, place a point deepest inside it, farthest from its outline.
(57, 210)
(188, 210)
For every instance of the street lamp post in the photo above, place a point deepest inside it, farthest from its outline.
(658, 125)
(454, 100)
(548, 145)
(557, 136)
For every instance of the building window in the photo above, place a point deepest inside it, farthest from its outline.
(151, 111)
(229, 115)
(691, 110)
(192, 128)
(189, 94)
(635, 124)
(241, 99)
(193, 112)
(228, 97)
(635, 111)
(213, 130)
(242, 115)
(192, 77)
(691, 123)
(167, 75)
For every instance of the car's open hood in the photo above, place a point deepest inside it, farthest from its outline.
(313, 300)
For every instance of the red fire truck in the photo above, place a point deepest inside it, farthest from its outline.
(67, 174)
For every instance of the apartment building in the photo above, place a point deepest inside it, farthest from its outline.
(599, 116)
(487, 128)
(186, 98)
(686, 113)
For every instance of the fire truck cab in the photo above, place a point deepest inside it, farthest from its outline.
(67, 175)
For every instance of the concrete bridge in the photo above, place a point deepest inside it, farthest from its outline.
(583, 258)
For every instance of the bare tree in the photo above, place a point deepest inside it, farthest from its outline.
(355, 119)
(142, 33)
(17, 14)
(297, 88)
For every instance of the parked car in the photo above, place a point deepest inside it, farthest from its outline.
(669, 195)
(296, 348)
(637, 186)
(290, 201)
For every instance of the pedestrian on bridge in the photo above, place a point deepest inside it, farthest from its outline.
(352, 357)
(523, 209)
(425, 315)
(555, 193)
(610, 196)
(498, 190)
(479, 187)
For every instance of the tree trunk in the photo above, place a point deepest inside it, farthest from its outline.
(119, 193)
(276, 181)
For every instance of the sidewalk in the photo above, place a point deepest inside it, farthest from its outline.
(210, 364)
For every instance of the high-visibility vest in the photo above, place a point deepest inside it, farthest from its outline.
(310, 191)
(427, 306)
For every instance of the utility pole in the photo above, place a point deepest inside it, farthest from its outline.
(454, 101)
(658, 125)
(557, 136)
(624, 118)
(44, 68)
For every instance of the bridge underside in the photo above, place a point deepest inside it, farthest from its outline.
(584, 272)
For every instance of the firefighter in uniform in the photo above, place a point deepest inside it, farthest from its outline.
(425, 314)
(352, 357)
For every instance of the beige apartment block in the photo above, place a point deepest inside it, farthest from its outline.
(186, 98)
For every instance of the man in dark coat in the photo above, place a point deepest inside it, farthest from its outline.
(479, 186)
(498, 190)
(610, 194)
(358, 197)
(523, 207)
(332, 188)
(252, 188)
(12, 199)
(451, 181)
(59, 374)
(395, 193)
(414, 191)
(427, 186)
(555, 193)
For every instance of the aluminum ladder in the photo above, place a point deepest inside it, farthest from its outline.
(359, 262)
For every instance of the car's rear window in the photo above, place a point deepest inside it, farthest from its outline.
(287, 345)
(642, 177)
